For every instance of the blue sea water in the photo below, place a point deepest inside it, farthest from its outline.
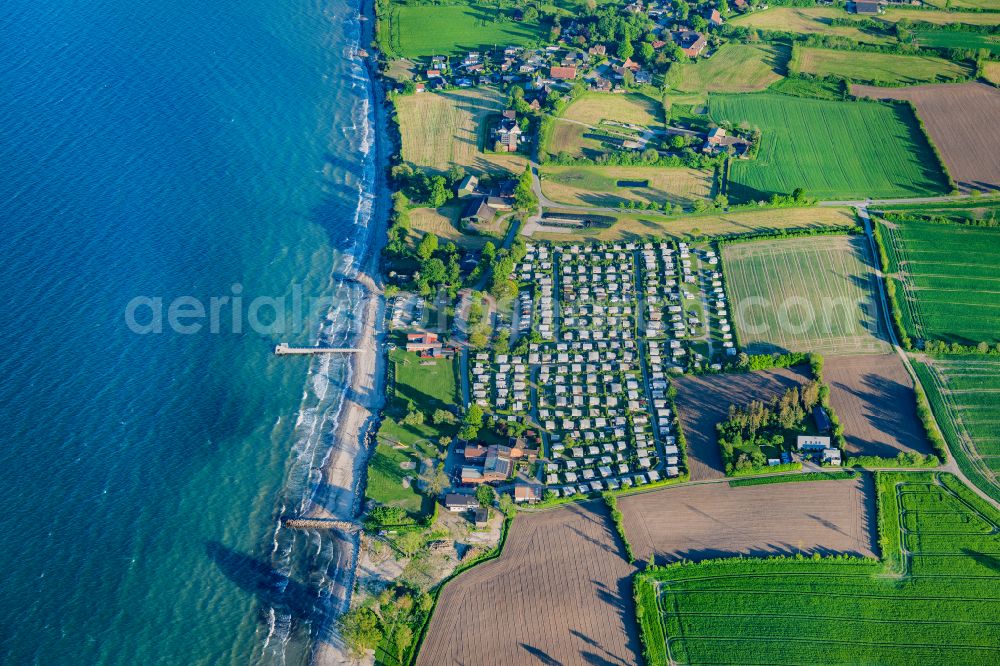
(169, 148)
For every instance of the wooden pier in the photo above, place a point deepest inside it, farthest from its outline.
(284, 350)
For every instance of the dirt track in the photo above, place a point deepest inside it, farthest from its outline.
(703, 402)
(559, 594)
(961, 120)
(873, 397)
(714, 520)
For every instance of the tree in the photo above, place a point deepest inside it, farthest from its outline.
(530, 15)
(360, 631)
(524, 195)
(507, 505)
(427, 247)
(647, 52)
(441, 416)
(625, 49)
(502, 343)
(411, 542)
(678, 141)
(486, 495)
(403, 639)
(386, 515)
(437, 480)
(474, 415)
(439, 193)
(413, 417)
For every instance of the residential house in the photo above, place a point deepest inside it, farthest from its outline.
(866, 7)
(692, 43)
(478, 211)
(562, 73)
(422, 341)
(458, 502)
(812, 443)
(507, 133)
(527, 492)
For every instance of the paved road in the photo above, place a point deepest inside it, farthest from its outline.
(950, 465)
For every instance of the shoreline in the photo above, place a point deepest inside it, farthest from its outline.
(345, 469)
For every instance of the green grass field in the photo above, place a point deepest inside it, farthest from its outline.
(832, 149)
(958, 40)
(933, 599)
(427, 387)
(881, 68)
(950, 277)
(610, 186)
(814, 294)
(964, 392)
(733, 68)
(430, 386)
(420, 31)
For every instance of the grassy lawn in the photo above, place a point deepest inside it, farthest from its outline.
(429, 387)
(932, 599)
(419, 31)
(950, 280)
(883, 68)
(894, 14)
(832, 149)
(734, 68)
(575, 140)
(444, 129)
(805, 294)
(386, 481)
(807, 21)
(688, 227)
(443, 222)
(591, 108)
(964, 392)
(609, 186)
(958, 40)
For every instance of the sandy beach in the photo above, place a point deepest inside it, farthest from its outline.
(344, 471)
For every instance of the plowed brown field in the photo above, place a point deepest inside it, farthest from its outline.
(962, 122)
(714, 520)
(873, 397)
(559, 594)
(703, 402)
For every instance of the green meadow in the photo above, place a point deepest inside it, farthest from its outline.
(420, 31)
(834, 150)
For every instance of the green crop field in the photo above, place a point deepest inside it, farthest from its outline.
(834, 150)
(733, 68)
(420, 31)
(964, 392)
(958, 40)
(950, 279)
(883, 68)
(935, 598)
(804, 294)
